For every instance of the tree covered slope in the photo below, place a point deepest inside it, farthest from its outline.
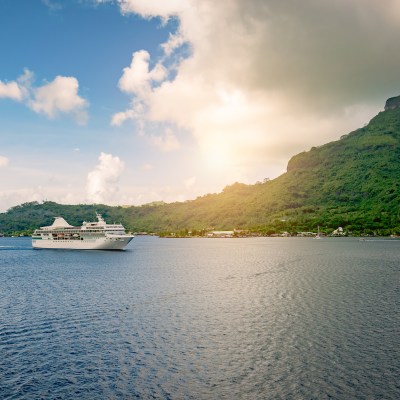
(352, 182)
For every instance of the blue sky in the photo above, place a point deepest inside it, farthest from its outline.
(133, 101)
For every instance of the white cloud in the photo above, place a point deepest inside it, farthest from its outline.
(190, 182)
(60, 194)
(265, 80)
(52, 99)
(60, 96)
(53, 6)
(12, 198)
(152, 8)
(102, 182)
(147, 167)
(10, 90)
(120, 117)
(136, 78)
(17, 90)
(167, 142)
(174, 42)
(4, 161)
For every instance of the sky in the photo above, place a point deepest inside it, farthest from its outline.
(126, 102)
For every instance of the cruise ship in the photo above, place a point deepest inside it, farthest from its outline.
(90, 236)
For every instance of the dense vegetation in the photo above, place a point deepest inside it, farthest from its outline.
(352, 183)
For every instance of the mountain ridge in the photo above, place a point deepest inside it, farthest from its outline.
(352, 182)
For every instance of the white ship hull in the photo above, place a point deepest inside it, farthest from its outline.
(90, 236)
(104, 243)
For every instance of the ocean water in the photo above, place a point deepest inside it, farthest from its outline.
(257, 318)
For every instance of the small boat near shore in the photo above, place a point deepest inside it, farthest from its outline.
(90, 236)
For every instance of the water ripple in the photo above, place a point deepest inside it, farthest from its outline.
(200, 319)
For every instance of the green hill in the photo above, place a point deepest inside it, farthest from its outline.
(352, 182)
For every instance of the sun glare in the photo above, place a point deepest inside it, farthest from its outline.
(217, 158)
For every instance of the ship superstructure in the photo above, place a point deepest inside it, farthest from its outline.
(90, 236)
